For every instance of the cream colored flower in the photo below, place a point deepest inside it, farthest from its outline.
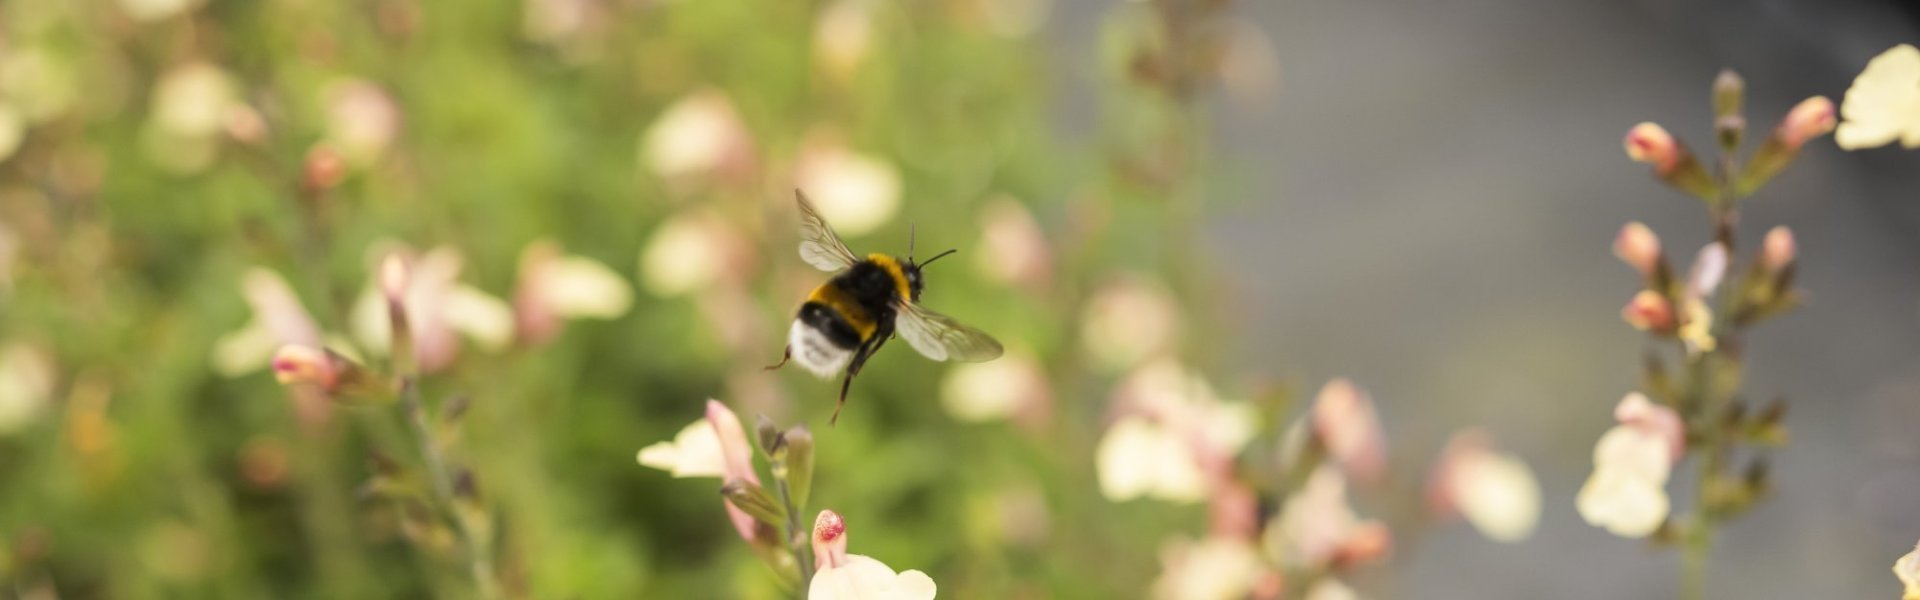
(855, 192)
(188, 116)
(553, 286)
(842, 576)
(438, 308)
(715, 446)
(1908, 570)
(1139, 458)
(1216, 568)
(700, 134)
(278, 319)
(154, 10)
(26, 385)
(362, 120)
(1331, 589)
(688, 253)
(1627, 492)
(1884, 103)
(1128, 319)
(842, 37)
(994, 390)
(1495, 491)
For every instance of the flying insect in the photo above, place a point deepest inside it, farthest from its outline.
(868, 301)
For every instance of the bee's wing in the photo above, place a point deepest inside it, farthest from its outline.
(939, 337)
(819, 246)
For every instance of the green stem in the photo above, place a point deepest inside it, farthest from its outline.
(802, 545)
(479, 559)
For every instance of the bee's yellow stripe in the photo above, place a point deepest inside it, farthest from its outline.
(838, 300)
(892, 267)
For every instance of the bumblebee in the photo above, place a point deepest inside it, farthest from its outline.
(867, 302)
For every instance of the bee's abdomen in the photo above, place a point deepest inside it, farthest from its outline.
(831, 323)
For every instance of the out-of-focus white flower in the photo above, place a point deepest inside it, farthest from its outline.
(1139, 458)
(995, 389)
(1013, 18)
(189, 115)
(1216, 568)
(1316, 528)
(1176, 396)
(690, 252)
(842, 576)
(1127, 320)
(1250, 69)
(13, 130)
(1012, 248)
(553, 286)
(855, 192)
(155, 10)
(1884, 103)
(1907, 568)
(557, 20)
(362, 120)
(37, 83)
(699, 135)
(26, 385)
(1345, 422)
(715, 446)
(1331, 589)
(437, 307)
(842, 37)
(1778, 249)
(1627, 492)
(278, 319)
(1495, 491)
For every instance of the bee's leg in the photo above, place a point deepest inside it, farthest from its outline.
(860, 357)
(785, 355)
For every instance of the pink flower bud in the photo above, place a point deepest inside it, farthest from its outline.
(737, 454)
(1637, 246)
(1344, 420)
(1649, 143)
(1778, 249)
(1812, 118)
(829, 541)
(1640, 413)
(1649, 311)
(393, 278)
(296, 364)
(324, 168)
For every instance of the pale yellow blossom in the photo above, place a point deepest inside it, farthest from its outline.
(26, 385)
(1216, 568)
(1908, 570)
(855, 192)
(1884, 103)
(843, 576)
(1140, 458)
(994, 390)
(1494, 490)
(1627, 492)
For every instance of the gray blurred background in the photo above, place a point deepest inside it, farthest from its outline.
(1427, 203)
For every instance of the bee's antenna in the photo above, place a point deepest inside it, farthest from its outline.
(937, 257)
(912, 230)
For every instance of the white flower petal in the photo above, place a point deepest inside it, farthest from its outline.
(1623, 502)
(1884, 102)
(577, 286)
(1217, 568)
(1139, 458)
(486, 319)
(245, 350)
(694, 452)
(26, 386)
(863, 578)
(855, 192)
(1499, 496)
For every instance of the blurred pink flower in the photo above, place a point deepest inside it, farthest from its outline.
(842, 576)
(1317, 529)
(362, 120)
(1809, 119)
(1650, 143)
(1637, 246)
(298, 364)
(1495, 491)
(1012, 250)
(278, 319)
(1649, 311)
(698, 136)
(1345, 422)
(437, 306)
(692, 251)
(1128, 319)
(553, 286)
(1778, 249)
(1176, 439)
(1013, 386)
(715, 446)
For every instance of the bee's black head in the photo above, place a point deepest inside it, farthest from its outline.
(912, 271)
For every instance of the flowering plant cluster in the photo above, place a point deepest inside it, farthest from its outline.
(1703, 314)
